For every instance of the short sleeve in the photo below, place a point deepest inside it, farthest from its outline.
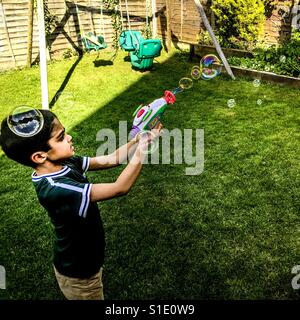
(68, 196)
(79, 163)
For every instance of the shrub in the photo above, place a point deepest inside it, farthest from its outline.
(284, 60)
(239, 23)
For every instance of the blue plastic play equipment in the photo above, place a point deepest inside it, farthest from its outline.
(129, 40)
(142, 51)
(147, 50)
(92, 42)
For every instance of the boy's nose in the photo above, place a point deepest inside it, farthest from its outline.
(69, 138)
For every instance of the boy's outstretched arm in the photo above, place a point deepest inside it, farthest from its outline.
(125, 181)
(114, 159)
(120, 155)
(123, 184)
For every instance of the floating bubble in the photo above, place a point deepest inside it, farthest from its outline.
(152, 146)
(210, 66)
(25, 121)
(259, 102)
(185, 83)
(282, 59)
(231, 103)
(256, 83)
(65, 99)
(196, 73)
(267, 68)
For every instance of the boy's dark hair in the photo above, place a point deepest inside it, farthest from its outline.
(20, 148)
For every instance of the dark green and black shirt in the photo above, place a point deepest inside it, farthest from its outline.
(79, 236)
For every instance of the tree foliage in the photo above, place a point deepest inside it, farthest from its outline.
(239, 23)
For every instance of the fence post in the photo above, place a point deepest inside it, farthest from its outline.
(154, 19)
(7, 34)
(30, 32)
(169, 33)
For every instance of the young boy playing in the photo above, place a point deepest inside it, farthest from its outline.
(70, 200)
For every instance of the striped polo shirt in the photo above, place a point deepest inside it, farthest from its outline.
(79, 236)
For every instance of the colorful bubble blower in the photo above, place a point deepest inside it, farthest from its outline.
(147, 116)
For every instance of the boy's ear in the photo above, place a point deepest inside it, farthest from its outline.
(39, 157)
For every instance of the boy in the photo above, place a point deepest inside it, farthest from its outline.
(71, 201)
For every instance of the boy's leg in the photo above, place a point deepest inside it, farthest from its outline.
(81, 289)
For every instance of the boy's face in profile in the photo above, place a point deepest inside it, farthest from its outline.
(60, 143)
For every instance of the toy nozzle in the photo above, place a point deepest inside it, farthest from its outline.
(177, 90)
(170, 97)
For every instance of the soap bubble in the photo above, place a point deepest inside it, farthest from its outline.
(145, 147)
(196, 72)
(65, 99)
(25, 121)
(259, 102)
(231, 103)
(210, 66)
(282, 59)
(256, 83)
(185, 83)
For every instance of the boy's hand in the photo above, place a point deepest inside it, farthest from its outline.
(145, 138)
(156, 131)
(152, 135)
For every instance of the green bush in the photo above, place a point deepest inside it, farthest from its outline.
(284, 60)
(239, 23)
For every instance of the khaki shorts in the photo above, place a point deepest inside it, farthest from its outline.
(81, 289)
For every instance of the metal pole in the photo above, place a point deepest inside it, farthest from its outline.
(213, 37)
(43, 54)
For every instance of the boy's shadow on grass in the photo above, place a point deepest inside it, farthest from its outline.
(102, 63)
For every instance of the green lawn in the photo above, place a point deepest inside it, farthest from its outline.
(232, 232)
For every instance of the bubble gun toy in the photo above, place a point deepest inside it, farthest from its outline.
(147, 116)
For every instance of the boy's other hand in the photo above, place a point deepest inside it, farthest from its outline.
(156, 131)
(147, 137)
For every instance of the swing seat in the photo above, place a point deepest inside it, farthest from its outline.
(129, 40)
(92, 42)
(143, 57)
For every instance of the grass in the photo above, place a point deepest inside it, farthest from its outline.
(232, 232)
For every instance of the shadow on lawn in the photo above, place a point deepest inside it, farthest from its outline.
(102, 63)
(153, 249)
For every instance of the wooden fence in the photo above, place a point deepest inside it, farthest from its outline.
(14, 26)
(184, 24)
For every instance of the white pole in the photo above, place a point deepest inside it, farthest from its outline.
(213, 37)
(154, 19)
(43, 54)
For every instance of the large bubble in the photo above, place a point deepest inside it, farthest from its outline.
(65, 100)
(210, 67)
(25, 121)
(185, 83)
